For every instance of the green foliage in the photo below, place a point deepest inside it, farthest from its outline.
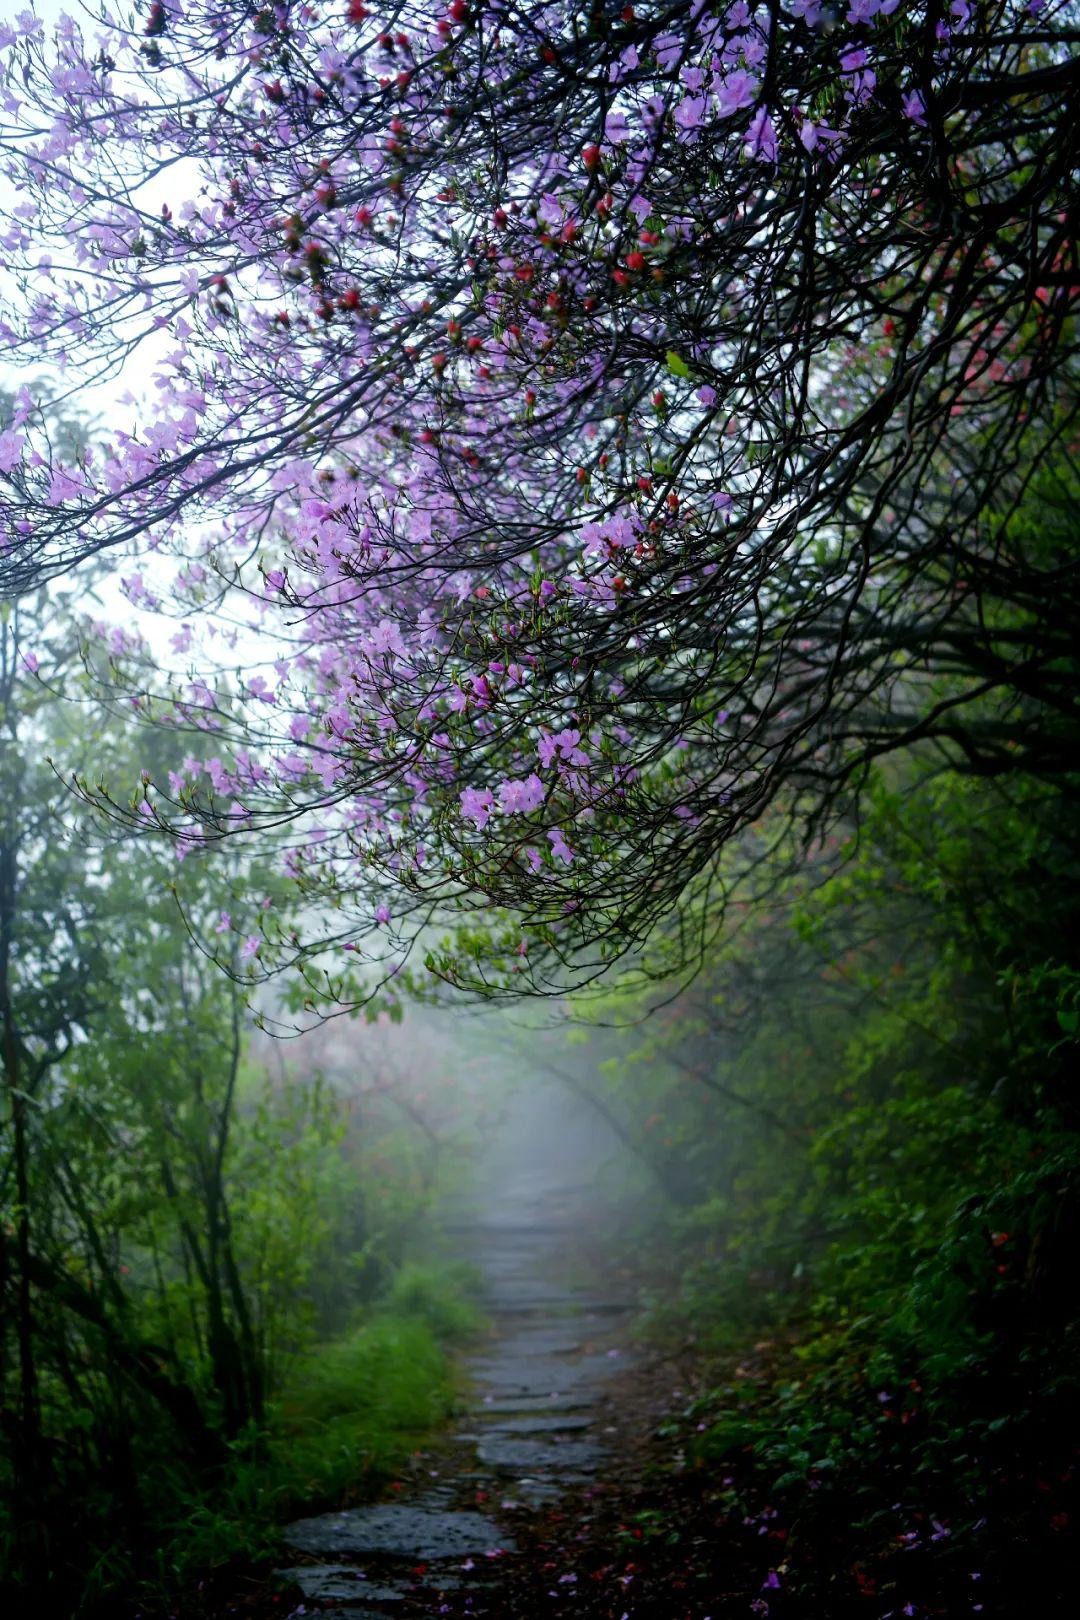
(389, 1376)
(347, 1415)
(192, 1234)
(871, 1094)
(437, 1297)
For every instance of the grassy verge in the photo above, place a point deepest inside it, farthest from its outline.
(346, 1417)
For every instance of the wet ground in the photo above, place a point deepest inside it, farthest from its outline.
(538, 1426)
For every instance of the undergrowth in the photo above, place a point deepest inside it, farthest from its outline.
(347, 1415)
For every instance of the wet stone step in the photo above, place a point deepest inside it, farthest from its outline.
(526, 1404)
(504, 1295)
(541, 1342)
(539, 1425)
(536, 1493)
(514, 1456)
(337, 1583)
(352, 1613)
(567, 1311)
(538, 1375)
(401, 1530)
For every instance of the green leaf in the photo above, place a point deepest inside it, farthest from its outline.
(677, 365)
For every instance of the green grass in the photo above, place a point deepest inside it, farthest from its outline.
(438, 1296)
(347, 1416)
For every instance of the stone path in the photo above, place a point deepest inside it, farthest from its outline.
(535, 1426)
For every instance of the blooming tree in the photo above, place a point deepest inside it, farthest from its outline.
(617, 414)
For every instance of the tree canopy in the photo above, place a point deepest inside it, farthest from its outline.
(623, 414)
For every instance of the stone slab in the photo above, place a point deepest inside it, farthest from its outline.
(558, 1424)
(523, 1405)
(514, 1456)
(420, 1534)
(337, 1583)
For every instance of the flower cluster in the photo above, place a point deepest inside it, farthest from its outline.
(582, 403)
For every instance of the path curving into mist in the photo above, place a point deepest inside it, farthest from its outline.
(536, 1425)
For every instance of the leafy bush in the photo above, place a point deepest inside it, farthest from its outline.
(437, 1296)
(882, 1239)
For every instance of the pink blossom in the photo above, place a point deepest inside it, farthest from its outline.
(914, 107)
(11, 450)
(761, 137)
(559, 847)
(691, 112)
(520, 797)
(477, 805)
(736, 91)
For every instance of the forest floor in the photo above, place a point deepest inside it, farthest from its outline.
(569, 1485)
(562, 1491)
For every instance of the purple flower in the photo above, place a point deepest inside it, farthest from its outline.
(736, 91)
(11, 449)
(914, 107)
(690, 113)
(562, 745)
(761, 137)
(559, 847)
(477, 805)
(519, 797)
